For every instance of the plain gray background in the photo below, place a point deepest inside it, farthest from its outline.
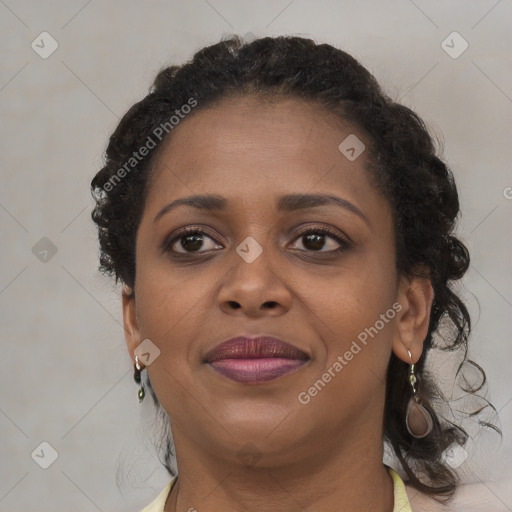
(66, 376)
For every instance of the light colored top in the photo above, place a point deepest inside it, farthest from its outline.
(401, 500)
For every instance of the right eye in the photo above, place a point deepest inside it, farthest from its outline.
(188, 240)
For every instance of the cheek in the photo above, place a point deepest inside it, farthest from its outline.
(167, 308)
(353, 297)
(167, 298)
(356, 319)
(169, 312)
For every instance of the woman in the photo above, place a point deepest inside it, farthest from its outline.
(284, 235)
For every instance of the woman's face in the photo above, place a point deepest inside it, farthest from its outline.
(332, 300)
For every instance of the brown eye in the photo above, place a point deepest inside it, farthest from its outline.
(315, 239)
(190, 240)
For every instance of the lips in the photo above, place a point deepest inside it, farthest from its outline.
(245, 347)
(255, 360)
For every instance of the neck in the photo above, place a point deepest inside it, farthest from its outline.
(352, 474)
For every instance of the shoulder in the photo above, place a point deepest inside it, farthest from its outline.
(421, 502)
(469, 497)
(158, 504)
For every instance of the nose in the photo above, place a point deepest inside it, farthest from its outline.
(254, 289)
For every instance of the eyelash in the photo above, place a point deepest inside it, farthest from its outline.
(169, 242)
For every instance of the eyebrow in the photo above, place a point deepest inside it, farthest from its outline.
(286, 203)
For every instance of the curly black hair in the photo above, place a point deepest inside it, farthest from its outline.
(404, 167)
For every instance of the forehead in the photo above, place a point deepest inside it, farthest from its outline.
(260, 130)
(255, 150)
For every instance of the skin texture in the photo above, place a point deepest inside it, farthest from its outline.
(312, 456)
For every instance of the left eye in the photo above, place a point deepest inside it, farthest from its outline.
(314, 240)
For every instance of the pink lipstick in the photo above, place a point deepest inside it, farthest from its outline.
(255, 360)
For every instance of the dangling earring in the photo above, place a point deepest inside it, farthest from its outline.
(417, 418)
(137, 378)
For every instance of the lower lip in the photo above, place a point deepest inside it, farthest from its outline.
(256, 371)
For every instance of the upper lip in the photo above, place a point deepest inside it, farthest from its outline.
(249, 347)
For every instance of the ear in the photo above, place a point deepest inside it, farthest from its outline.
(416, 296)
(130, 322)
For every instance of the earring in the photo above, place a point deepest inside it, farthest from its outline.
(417, 418)
(137, 378)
